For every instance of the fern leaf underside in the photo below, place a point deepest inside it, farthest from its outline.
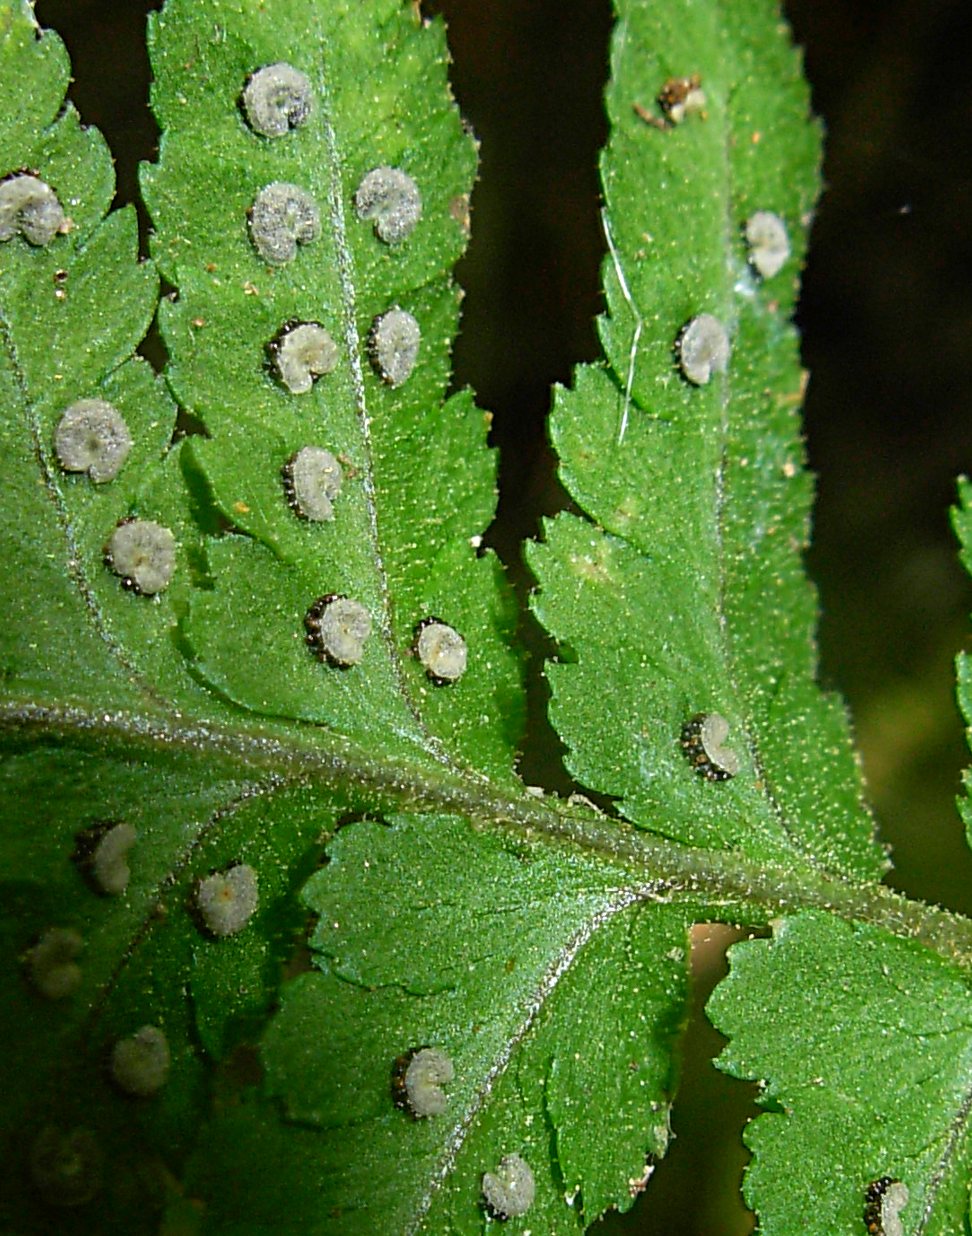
(248, 882)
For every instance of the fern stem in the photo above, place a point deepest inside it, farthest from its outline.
(664, 870)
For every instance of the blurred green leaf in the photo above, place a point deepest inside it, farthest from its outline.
(962, 522)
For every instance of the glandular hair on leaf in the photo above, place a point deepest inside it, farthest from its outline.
(66, 1166)
(51, 963)
(92, 437)
(282, 217)
(276, 99)
(393, 344)
(140, 1063)
(337, 629)
(312, 480)
(441, 650)
(704, 744)
(768, 242)
(102, 854)
(703, 348)
(884, 1200)
(30, 206)
(301, 353)
(510, 1190)
(227, 900)
(417, 1081)
(681, 97)
(392, 199)
(143, 554)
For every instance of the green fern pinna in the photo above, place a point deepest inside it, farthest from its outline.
(290, 947)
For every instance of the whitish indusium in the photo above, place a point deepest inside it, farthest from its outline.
(510, 1189)
(337, 629)
(418, 1081)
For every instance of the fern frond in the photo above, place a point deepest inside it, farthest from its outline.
(684, 592)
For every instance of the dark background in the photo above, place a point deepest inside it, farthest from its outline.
(886, 317)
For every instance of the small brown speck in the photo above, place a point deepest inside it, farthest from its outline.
(459, 209)
(648, 117)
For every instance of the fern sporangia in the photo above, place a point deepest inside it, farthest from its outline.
(291, 945)
(276, 99)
